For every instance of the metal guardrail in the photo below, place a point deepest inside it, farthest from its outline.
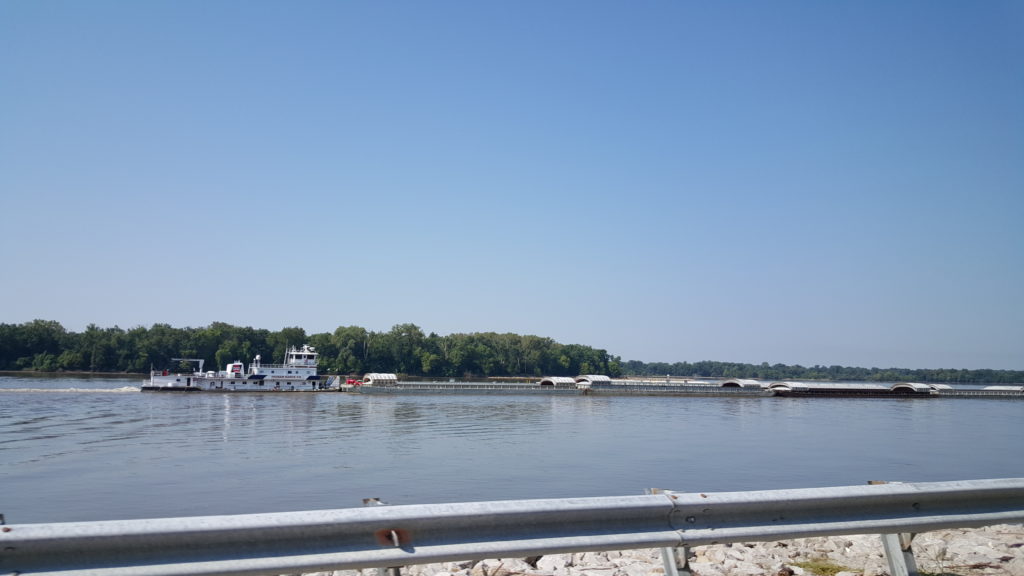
(387, 536)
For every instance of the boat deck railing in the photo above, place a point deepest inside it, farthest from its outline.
(296, 364)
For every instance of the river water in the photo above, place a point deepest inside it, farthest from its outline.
(98, 449)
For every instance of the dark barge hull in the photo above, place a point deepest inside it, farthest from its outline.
(849, 394)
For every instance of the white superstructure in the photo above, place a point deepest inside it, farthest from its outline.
(297, 373)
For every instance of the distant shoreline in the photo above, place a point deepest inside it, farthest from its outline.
(76, 374)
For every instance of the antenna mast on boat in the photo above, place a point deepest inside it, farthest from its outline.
(199, 360)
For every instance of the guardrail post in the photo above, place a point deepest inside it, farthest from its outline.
(676, 559)
(900, 554)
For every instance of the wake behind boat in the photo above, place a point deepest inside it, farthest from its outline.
(297, 373)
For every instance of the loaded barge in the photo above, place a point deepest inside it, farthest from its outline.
(595, 385)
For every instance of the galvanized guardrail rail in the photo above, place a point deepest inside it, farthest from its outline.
(388, 536)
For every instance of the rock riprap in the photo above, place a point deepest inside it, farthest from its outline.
(988, 551)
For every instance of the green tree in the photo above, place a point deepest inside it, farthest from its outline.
(351, 343)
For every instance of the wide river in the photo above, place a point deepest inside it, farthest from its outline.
(97, 449)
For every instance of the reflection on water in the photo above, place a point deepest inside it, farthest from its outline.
(79, 450)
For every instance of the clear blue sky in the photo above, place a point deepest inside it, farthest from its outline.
(795, 182)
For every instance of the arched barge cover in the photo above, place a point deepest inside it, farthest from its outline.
(741, 383)
(380, 379)
(558, 382)
(588, 380)
(910, 388)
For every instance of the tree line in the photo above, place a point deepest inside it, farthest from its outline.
(46, 346)
(765, 371)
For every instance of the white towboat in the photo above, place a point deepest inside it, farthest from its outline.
(298, 373)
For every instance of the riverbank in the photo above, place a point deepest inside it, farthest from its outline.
(36, 374)
(988, 551)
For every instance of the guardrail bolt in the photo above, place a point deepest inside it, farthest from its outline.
(392, 537)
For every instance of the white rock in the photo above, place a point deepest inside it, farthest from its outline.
(990, 551)
(706, 569)
(636, 568)
(715, 555)
(1015, 567)
(501, 567)
(598, 571)
(736, 554)
(747, 569)
(592, 559)
(555, 563)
